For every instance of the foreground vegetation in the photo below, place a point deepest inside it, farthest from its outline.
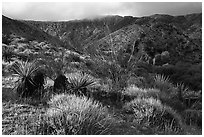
(139, 77)
(86, 105)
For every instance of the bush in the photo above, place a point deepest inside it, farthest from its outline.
(169, 94)
(137, 81)
(168, 91)
(69, 114)
(135, 92)
(60, 84)
(151, 112)
(189, 74)
(193, 117)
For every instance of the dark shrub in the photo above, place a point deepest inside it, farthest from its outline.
(38, 79)
(60, 84)
(189, 74)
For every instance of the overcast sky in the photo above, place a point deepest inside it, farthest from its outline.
(69, 11)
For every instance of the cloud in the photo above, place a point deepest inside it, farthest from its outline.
(69, 11)
(172, 8)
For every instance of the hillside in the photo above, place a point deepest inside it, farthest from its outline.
(163, 32)
(111, 75)
(15, 29)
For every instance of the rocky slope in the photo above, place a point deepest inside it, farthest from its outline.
(15, 29)
(180, 36)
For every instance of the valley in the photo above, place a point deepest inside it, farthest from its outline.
(110, 75)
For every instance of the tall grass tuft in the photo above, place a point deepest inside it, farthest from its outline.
(69, 114)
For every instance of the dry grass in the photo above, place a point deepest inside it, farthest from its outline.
(70, 114)
(150, 111)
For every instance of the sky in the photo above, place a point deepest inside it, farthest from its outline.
(61, 11)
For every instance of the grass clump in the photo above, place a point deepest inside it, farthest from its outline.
(151, 112)
(136, 92)
(69, 114)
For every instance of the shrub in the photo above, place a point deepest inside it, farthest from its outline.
(167, 89)
(137, 81)
(193, 117)
(39, 80)
(69, 114)
(7, 54)
(151, 112)
(136, 92)
(169, 94)
(74, 57)
(189, 74)
(60, 84)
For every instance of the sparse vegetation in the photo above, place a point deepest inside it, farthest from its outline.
(153, 113)
(129, 79)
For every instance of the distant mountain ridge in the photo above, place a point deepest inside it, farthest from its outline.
(181, 36)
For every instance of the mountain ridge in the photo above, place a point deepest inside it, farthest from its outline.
(161, 30)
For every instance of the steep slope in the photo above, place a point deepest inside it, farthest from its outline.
(180, 36)
(80, 32)
(12, 29)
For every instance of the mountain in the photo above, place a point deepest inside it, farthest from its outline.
(181, 36)
(15, 29)
(170, 45)
(79, 32)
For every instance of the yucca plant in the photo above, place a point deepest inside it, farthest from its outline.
(161, 80)
(25, 70)
(79, 82)
(163, 83)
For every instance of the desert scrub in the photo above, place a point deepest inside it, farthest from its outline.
(21, 119)
(169, 94)
(135, 92)
(193, 117)
(163, 83)
(69, 114)
(151, 112)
